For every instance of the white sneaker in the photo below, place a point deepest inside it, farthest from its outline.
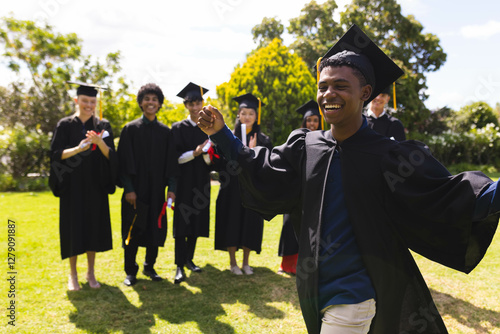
(247, 270)
(236, 270)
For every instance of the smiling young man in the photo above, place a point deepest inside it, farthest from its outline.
(147, 166)
(365, 201)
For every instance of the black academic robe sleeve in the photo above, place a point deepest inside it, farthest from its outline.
(433, 209)
(57, 181)
(272, 179)
(109, 167)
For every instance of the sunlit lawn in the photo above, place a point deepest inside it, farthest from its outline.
(214, 301)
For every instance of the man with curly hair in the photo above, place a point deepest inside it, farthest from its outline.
(147, 166)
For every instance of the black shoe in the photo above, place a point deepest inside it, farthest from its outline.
(180, 276)
(193, 267)
(130, 280)
(151, 273)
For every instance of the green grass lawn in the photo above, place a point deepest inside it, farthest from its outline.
(214, 301)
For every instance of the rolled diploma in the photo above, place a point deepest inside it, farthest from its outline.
(104, 135)
(207, 146)
(244, 134)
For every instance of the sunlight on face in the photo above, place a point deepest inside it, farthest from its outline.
(247, 116)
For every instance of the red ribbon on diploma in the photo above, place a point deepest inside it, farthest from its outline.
(94, 146)
(162, 213)
(212, 154)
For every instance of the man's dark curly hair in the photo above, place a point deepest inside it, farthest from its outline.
(150, 88)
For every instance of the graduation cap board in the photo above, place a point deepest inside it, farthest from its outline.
(249, 100)
(361, 52)
(89, 90)
(192, 92)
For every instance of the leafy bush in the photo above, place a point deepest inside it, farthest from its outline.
(24, 158)
(478, 146)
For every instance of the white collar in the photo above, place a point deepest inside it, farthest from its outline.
(371, 114)
(191, 121)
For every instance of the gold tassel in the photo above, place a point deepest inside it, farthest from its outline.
(317, 82)
(394, 94)
(260, 111)
(130, 231)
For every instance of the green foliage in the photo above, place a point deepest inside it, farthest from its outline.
(267, 31)
(24, 152)
(315, 31)
(435, 123)
(476, 146)
(401, 37)
(472, 116)
(49, 59)
(171, 113)
(283, 82)
(44, 56)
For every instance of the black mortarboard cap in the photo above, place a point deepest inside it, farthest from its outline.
(387, 90)
(361, 52)
(86, 89)
(192, 92)
(309, 108)
(248, 101)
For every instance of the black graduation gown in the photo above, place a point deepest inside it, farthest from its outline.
(398, 197)
(82, 183)
(192, 198)
(235, 225)
(388, 126)
(147, 155)
(288, 244)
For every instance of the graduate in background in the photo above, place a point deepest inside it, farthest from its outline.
(235, 226)
(147, 166)
(381, 121)
(288, 246)
(191, 214)
(83, 172)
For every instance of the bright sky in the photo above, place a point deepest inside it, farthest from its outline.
(174, 42)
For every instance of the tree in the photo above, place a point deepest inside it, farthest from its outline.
(44, 60)
(267, 31)
(475, 115)
(283, 82)
(30, 107)
(315, 31)
(401, 37)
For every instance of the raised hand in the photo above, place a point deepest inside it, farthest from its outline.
(253, 141)
(210, 120)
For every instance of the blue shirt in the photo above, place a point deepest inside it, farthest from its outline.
(343, 278)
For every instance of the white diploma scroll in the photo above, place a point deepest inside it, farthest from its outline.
(207, 146)
(244, 134)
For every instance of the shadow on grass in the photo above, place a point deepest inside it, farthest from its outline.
(466, 313)
(198, 300)
(178, 304)
(107, 309)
